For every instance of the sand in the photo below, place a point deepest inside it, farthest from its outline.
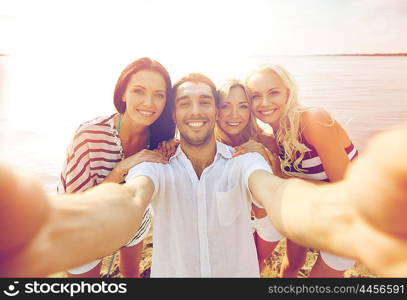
(271, 269)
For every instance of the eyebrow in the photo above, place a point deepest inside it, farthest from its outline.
(274, 88)
(245, 101)
(185, 97)
(203, 96)
(142, 87)
(206, 96)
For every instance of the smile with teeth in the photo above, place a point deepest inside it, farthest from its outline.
(268, 112)
(146, 113)
(196, 124)
(233, 123)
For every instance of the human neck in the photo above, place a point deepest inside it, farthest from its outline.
(235, 140)
(200, 156)
(275, 126)
(133, 136)
(130, 130)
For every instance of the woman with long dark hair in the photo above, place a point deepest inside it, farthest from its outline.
(104, 149)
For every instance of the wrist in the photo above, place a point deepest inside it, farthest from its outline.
(117, 174)
(121, 170)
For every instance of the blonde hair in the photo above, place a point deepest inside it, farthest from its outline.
(251, 131)
(289, 133)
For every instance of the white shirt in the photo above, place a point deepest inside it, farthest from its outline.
(202, 227)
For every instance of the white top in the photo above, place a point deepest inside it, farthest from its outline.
(202, 227)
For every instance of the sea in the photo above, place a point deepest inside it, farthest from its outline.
(42, 104)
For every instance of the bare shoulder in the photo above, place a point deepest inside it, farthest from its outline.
(317, 123)
(316, 116)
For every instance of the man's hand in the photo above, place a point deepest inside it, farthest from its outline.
(24, 209)
(42, 234)
(378, 188)
(361, 217)
(379, 182)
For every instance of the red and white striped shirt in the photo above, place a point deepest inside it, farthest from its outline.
(94, 152)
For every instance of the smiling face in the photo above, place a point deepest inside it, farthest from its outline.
(195, 112)
(269, 97)
(145, 97)
(234, 111)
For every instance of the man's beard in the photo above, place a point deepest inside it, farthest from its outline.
(203, 141)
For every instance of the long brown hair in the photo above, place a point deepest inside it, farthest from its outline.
(164, 127)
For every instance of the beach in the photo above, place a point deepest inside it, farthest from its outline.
(365, 94)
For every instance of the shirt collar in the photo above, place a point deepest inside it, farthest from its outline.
(178, 152)
(221, 149)
(224, 150)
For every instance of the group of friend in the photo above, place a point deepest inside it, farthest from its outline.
(195, 157)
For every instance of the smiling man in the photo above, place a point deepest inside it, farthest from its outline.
(200, 198)
(195, 109)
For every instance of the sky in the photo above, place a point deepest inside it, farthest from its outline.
(186, 34)
(66, 52)
(183, 28)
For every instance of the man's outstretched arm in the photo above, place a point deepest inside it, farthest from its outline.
(305, 212)
(360, 217)
(65, 230)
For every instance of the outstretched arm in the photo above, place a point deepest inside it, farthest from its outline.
(65, 230)
(303, 211)
(365, 210)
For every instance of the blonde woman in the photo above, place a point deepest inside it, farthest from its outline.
(237, 127)
(312, 145)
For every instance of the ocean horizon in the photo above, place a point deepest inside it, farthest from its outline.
(38, 117)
